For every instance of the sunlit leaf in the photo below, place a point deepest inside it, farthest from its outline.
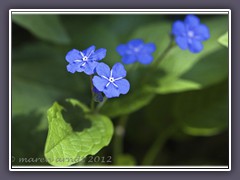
(223, 39)
(65, 147)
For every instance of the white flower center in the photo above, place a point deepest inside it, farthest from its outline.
(190, 34)
(85, 58)
(136, 49)
(111, 79)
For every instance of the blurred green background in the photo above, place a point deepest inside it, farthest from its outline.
(178, 117)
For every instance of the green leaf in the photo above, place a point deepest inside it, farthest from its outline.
(65, 147)
(46, 27)
(36, 71)
(210, 70)
(28, 97)
(172, 84)
(178, 62)
(203, 112)
(223, 39)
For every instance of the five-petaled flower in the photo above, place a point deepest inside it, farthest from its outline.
(111, 82)
(136, 50)
(190, 33)
(84, 61)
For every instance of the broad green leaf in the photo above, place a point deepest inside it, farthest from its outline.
(210, 70)
(126, 104)
(46, 27)
(28, 97)
(173, 84)
(223, 39)
(203, 112)
(36, 72)
(65, 147)
(178, 62)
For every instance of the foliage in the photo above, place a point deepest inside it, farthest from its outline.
(223, 39)
(66, 147)
(175, 104)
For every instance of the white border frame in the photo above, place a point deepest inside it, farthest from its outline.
(118, 11)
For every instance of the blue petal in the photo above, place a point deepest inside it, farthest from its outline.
(149, 47)
(195, 46)
(71, 68)
(90, 67)
(129, 59)
(182, 42)
(122, 49)
(103, 70)
(99, 83)
(145, 58)
(135, 42)
(111, 91)
(99, 54)
(72, 55)
(87, 52)
(79, 68)
(202, 32)
(192, 20)
(118, 71)
(123, 86)
(178, 28)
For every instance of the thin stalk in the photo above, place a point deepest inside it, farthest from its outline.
(118, 137)
(100, 105)
(157, 146)
(92, 100)
(164, 53)
(156, 63)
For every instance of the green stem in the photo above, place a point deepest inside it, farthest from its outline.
(157, 146)
(100, 105)
(164, 53)
(118, 138)
(92, 100)
(156, 63)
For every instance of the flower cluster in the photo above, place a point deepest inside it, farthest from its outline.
(110, 82)
(189, 34)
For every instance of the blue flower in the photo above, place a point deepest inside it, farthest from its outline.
(84, 61)
(136, 50)
(190, 33)
(111, 82)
